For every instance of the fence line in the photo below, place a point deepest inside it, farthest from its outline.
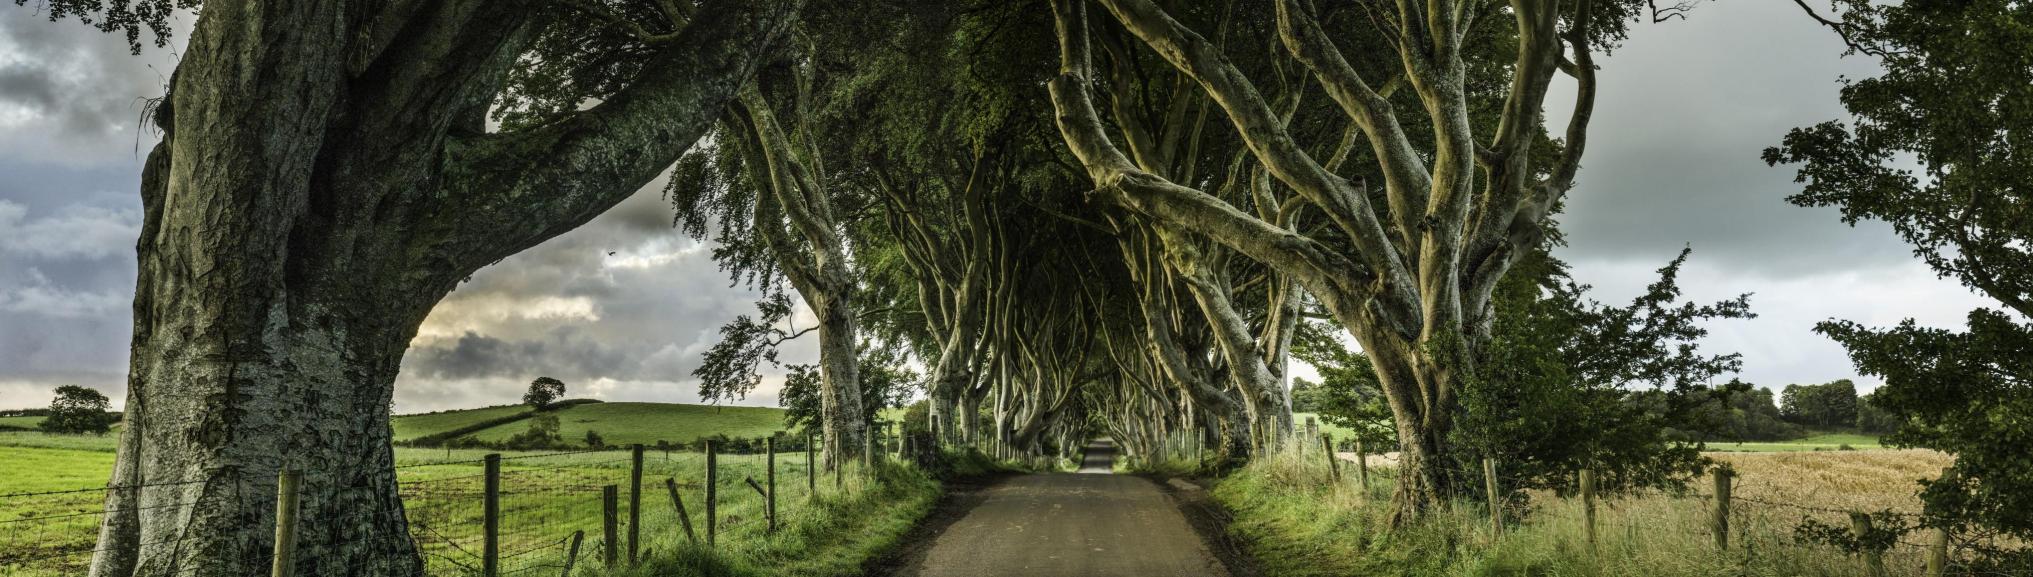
(550, 514)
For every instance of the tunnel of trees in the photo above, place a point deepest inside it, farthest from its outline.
(1120, 217)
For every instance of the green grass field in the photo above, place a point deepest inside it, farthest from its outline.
(1299, 424)
(1819, 442)
(19, 422)
(647, 423)
(546, 497)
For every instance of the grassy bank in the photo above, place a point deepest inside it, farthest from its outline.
(1298, 523)
(833, 536)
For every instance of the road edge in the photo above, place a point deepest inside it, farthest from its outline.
(956, 498)
(1210, 520)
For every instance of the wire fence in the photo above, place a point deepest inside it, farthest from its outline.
(56, 532)
(1885, 540)
(499, 515)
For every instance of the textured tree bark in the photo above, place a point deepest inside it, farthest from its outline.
(1413, 283)
(816, 264)
(311, 201)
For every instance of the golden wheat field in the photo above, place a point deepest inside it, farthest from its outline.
(1871, 480)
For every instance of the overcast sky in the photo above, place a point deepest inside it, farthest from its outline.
(1685, 107)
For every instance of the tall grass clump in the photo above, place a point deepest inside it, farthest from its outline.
(833, 535)
(1296, 521)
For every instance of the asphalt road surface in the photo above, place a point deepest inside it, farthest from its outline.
(1066, 525)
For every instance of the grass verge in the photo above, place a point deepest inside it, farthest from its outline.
(1295, 522)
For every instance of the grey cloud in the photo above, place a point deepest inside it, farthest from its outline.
(564, 355)
(74, 91)
(76, 230)
(636, 321)
(1684, 109)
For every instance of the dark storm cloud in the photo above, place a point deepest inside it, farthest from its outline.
(75, 87)
(564, 354)
(1684, 110)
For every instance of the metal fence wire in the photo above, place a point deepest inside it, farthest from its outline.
(56, 532)
(550, 512)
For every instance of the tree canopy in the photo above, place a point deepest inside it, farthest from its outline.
(78, 410)
(1936, 146)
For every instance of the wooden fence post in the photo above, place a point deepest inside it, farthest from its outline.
(869, 457)
(1362, 466)
(490, 543)
(287, 490)
(634, 503)
(712, 493)
(1588, 506)
(610, 519)
(1937, 553)
(811, 469)
(1333, 467)
(770, 445)
(1496, 504)
(767, 516)
(678, 503)
(1312, 430)
(1720, 524)
(1874, 559)
(572, 556)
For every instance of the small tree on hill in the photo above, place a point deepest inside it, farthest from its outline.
(542, 392)
(594, 440)
(78, 410)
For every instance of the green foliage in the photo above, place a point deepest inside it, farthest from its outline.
(1934, 146)
(1755, 416)
(733, 367)
(1826, 405)
(78, 410)
(542, 392)
(1348, 394)
(594, 440)
(1962, 393)
(128, 17)
(1874, 419)
(541, 435)
(1568, 383)
(886, 382)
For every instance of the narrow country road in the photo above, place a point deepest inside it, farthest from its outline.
(1064, 525)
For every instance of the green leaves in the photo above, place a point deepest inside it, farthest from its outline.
(128, 17)
(1937, 147)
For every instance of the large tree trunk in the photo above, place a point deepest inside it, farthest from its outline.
(841, 407)
(319, 188)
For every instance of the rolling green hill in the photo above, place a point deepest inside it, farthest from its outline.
(408, 427)
(617, 423)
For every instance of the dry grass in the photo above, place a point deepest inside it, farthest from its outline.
(1299, 524)
(1846, 480)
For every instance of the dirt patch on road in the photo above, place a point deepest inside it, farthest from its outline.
(1210, 521)
(961, 496)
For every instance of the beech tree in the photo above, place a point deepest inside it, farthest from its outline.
(1408, 267)
(1936, 146)
(327, 172)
